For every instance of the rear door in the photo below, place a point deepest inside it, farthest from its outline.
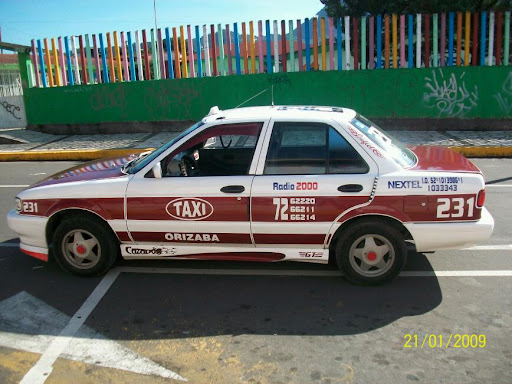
(309, 175)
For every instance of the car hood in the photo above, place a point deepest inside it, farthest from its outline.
(93, 170)
(432, 158)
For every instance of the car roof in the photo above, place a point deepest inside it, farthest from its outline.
(281, 111)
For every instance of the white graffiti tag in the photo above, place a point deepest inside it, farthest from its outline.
(505, 98)
(449, 96)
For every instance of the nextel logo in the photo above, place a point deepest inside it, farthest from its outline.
(189, 209)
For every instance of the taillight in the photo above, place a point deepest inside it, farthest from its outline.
(480, 199)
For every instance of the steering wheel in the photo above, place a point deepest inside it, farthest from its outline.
(222, 142)
(188, 166)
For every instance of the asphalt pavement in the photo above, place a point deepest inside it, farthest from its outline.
(19, 144)
(445, 319)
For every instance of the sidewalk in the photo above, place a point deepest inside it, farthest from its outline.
(19, 144)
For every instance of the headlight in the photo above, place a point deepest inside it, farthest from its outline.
(18, 204)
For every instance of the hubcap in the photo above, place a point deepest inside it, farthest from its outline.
(81, 249)
(371, 255)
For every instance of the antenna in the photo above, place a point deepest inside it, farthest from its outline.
(272, 94)
(265, 90)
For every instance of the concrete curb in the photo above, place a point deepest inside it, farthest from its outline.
(93, 154)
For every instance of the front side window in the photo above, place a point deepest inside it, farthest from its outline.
(311, 148)
(221, 150)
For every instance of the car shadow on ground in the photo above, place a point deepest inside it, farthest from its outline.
(142, 306)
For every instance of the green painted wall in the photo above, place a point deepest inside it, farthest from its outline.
(461, 92)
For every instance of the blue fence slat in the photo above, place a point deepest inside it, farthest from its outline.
(132, 59)
(339, 38)
(169, 53)
(307, 41)
(71, 80)
(451, 28)
(41, 62)
(237, 49)
(379, 41)
(269, 50)
(198, 50)
(410, 48)
(106, 78)
(482, 38)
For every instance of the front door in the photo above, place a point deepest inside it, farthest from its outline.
(202, 198)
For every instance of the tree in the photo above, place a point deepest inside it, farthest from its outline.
(337, 8)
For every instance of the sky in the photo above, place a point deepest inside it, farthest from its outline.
(23, 20)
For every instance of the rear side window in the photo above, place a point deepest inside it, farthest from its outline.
(311, 148)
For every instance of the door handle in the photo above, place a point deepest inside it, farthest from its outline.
(233, 189)
(350, 188)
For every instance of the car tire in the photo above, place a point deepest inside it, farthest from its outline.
(85, 246)
(371, 252)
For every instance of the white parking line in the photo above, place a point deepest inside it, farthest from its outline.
(498, 186)
(15, 186)
(256, 272)
(504, 247)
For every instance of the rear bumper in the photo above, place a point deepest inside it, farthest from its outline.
(31, 231)
(439, 236)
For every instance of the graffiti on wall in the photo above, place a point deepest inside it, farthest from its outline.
(12, 109)
(12, 112)
(504, 98)
(450, 96)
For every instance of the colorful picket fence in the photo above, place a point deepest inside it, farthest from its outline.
(380, 42)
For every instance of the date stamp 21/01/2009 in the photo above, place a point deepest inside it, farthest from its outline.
(453, 340)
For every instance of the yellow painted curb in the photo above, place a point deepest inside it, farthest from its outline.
(484, 151)
(71, 155)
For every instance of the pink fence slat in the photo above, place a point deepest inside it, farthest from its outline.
(299, 44)
(96, 57)
(62, 63)
(35, 64)
(371, 43)
(402, 41)
(161, 58)
(283, 45)
(191, 60)
(499, 36)
(228, 50)
(126, 74)
(260, 46)
(331, 45)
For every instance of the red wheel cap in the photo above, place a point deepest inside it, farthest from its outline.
(371, 256)
(81, 249)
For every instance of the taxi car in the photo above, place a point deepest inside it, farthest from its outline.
(270, 183)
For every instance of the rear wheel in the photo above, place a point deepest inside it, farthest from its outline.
(84, 246)
(371, 252)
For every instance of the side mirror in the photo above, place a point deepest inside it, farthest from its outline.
(157, 171)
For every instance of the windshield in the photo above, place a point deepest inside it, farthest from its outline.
(147, 157)
(388, 144)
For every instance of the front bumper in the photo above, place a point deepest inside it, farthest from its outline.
(31, 231)
(430, 237)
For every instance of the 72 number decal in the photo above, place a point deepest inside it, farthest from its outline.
(455, 207)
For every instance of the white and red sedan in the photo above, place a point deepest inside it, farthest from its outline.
(261, 184)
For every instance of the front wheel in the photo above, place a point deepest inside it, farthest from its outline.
(84, 246)
(371, 253)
